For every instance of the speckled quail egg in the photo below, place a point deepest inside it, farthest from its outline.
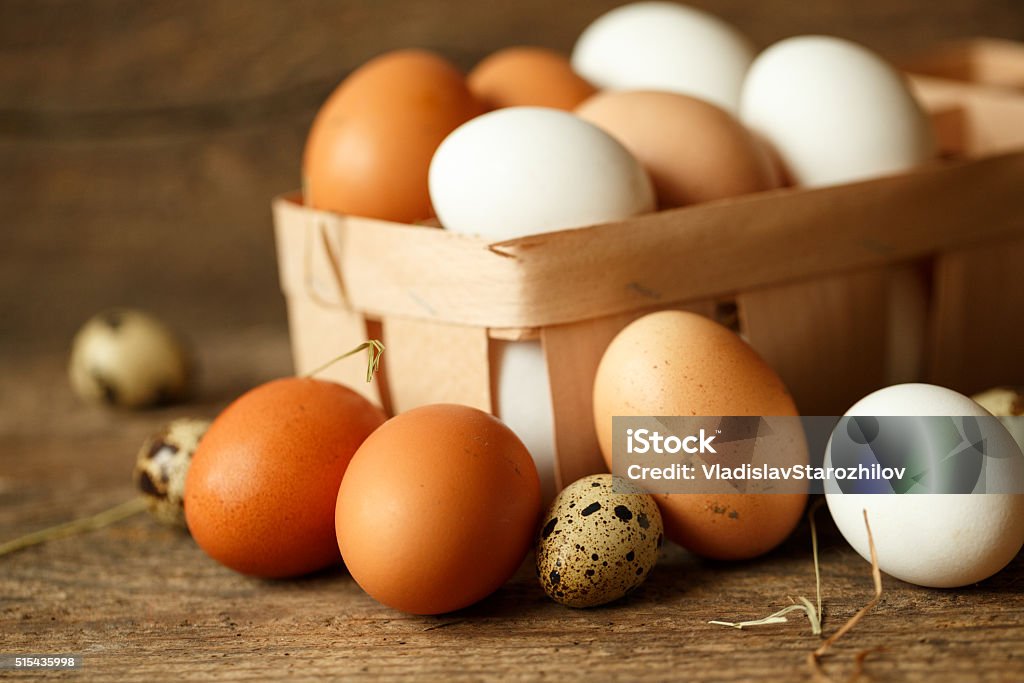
(128, 358)
(161, 467)
(598, 544)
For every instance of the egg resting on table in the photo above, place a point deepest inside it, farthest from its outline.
(129, 358)
(438, 508)
(261, 490)
(939, 540)
(679, 363)
(161, 468)
(597, 544)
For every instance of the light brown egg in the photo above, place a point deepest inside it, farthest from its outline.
(261, 489)
(680, 363)
(528, 76)
(694, 151)
(370, 146)
(437, 509)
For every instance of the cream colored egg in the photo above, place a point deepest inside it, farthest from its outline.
(161, 468)
(128, 358)
(1007, 404)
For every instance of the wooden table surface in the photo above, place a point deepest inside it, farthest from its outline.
(142, 602)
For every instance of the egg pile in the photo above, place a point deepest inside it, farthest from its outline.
(659, 106)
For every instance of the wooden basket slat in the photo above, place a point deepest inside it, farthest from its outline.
(433, 362)
(321, 333)
(704, 251)
(825, 337)
(980, 61)
(978, 328)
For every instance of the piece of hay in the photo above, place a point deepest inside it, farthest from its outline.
(814, 658)
(801, 603)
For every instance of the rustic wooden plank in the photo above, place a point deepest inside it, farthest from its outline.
(429, 362)
(983, 61)
(121, 54)
(709, 250)
(573, 352)
(825, 337)
(140, 601)
(977, 338)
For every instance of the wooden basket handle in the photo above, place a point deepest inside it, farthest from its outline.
(317, 230)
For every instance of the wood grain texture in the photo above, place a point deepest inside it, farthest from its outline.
(826, 338)
(140, 143)
(143, 603)
(429, 362)
(976, 336)
(704, 251)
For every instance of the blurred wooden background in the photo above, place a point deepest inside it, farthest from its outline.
(141, 142)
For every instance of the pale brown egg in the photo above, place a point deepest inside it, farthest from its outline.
(370, 146)
(694, 151)
(528, 77)
(438, 508)
(680, 363)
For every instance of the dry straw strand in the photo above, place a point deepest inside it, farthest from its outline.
(374, 350)
(802, 603)
(814, 658)
(77, 526)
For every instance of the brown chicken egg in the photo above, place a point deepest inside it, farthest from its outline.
(679, 363)
(528, 76)
(694, 151)
(370, 146)
(261, 489)
(438, 508)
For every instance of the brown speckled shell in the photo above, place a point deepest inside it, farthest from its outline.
(596, 545)
(161, 467)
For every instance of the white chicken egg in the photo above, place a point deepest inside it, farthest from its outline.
(523, 171)
(935, 540)
(834, 111)
(524, 404)
(665, 46)
(527, 170)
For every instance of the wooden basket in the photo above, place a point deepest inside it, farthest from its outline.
(842, 289)
(991, 62)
